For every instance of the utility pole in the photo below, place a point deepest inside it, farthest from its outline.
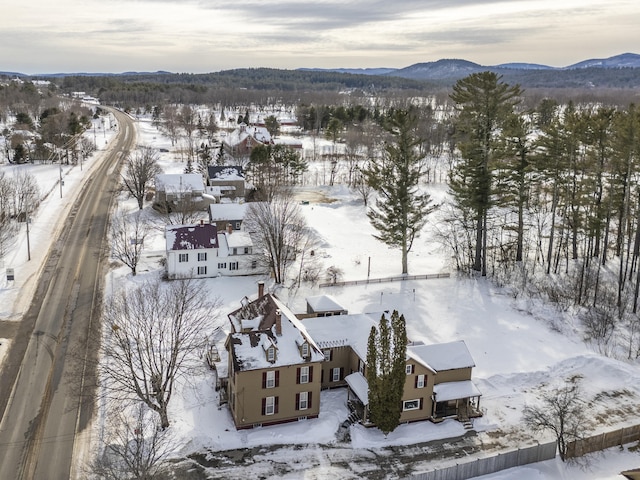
(26, 219)
(60, 160)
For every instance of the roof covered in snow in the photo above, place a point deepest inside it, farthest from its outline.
(343, 330)
(324, 303)
(191, 237)
(359, 386)
(227, 211)
(442, 356)
(225, 172)
(236, 239)
(179, 182)
(248, 348)
(455, 390)
(241, 133)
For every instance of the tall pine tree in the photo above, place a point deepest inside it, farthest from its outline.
(483, 102)
(386, 360)
(401, 209)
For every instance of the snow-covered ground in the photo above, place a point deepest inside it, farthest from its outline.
(517, 354)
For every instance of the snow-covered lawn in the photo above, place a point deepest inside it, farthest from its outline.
(517, 353)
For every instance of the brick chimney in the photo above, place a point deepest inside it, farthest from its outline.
(260, 289)
(278, 322)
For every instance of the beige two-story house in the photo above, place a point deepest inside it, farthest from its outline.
(274, 371)
(278, 364)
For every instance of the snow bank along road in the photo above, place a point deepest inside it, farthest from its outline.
(45, 399)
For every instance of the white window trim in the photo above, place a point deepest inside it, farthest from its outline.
(270, 406)
(183, 257)
(305, 350)
(304, 374)
(405, 402)
(408, 369)
(271, 379)
(327, 354)
(334, 377)
(271, 354)
(202, 270)
(304, 397)
(421, 381)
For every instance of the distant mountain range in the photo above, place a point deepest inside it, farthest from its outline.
(620, 71)
(452, 69)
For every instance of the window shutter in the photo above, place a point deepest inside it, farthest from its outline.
(309, 399)
(331, 354)
(421, 403)
(264, 379)
(341, 373)
(416, 382)
(298, 375)
(322, 375)
(311, 374)
(264, 405)
(297, 401)
(413, 368)
(275, 406)
(277, 378)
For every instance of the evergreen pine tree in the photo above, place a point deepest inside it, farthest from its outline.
(400, 210)
(484, 102)
(386, 359)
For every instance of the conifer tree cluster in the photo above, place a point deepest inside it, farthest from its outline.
(386, 360)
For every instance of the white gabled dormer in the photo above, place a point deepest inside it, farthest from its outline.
(304, 349)
(271, 353)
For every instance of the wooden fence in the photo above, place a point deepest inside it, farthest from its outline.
(387, 279)
(603, 441)
(496, 463)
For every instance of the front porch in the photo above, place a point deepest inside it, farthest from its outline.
(460, 400)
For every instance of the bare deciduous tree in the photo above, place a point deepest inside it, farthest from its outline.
(140, 172)
(137, 447)
(8, 226)
(561, 412)
(156, 333)
(279, 231)
(128, 233)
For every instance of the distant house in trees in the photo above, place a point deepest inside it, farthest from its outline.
(229, 179)
(243, 139)
(270, 349)
(177, 191)
(225, 214)
(201, 251)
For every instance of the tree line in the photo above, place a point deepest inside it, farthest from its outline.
(551, 191)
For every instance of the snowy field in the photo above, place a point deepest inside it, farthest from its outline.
(517, 354)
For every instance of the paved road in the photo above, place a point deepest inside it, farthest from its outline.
(46, 385)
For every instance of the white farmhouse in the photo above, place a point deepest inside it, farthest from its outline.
(201, 251)
(192, 250)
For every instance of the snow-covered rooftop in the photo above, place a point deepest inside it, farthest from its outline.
(338, 330)
(324, 303)
(179, 182)
(227, 211)
(226, 172)
(248, 348)
(236, 239)
(442, 356)
(455, 390)
(191, 237)
(236, 137)
(359, 386)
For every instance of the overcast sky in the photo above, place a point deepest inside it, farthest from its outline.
(47, 36)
